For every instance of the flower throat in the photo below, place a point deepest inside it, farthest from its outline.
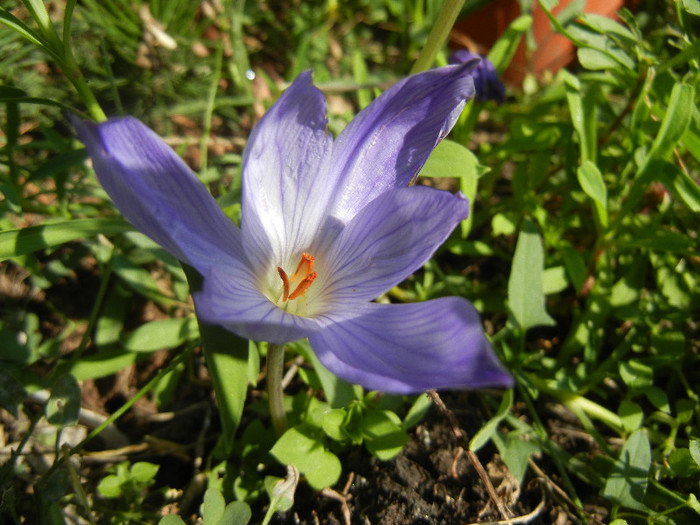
(296, 285)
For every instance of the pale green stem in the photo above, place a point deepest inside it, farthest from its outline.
(576, 402)
(438, 35)
(275, 368)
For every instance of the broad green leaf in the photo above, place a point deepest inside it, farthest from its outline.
(299, 446)
(236, 513)
(383, 433)
(143, 472)
(213, 507)
(554, 280)
(486, 433)
(681, 462)
(636, 374)
(33, 238)
(692, 6)
(694, 449)
(157, 335)
(110, 487)
(450, 159)
(332, 423)
(63, 406)
(515, 452)
(627, 483)
(631, 415)
(526, 298)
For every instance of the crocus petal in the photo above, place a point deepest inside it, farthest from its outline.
(285, 191)
(487, 84)
(156, 191)
(232, 301)
(386, 241)
(392, 137)
(407, 348)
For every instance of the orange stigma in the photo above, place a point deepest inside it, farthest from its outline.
(301, 279)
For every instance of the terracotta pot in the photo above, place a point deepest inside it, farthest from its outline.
(552, 51)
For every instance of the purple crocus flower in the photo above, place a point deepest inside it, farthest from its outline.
(486, 82)
(327, 225)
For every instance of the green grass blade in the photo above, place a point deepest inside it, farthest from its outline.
(22, 241)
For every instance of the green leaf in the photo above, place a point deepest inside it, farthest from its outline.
(213, 507)
(383, 434)
(171, 519)
(281, 492)
(165, 333)
(636, 374)
(592, 183)
(450, 159)
(332, 424)
(33, 238)
(417, 412)
(681, 185)
(675, 122)
(101, 364)
(503, 50)
(607, 26)
(236, 513)
(694, 449)
(486, 433)
(627, 483)
(575, 265)
(692, 7)
(143, 472)
(299, 446)
(515, 452)
(681, 462)
(110, 487)
(63, 406)
(526, 298)
(631, 415)
(583, 117)
(554, 280)
(12, 392)
(140, 280)
(226, 355)
(17, 25)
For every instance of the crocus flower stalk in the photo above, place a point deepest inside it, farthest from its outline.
(326, 227)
